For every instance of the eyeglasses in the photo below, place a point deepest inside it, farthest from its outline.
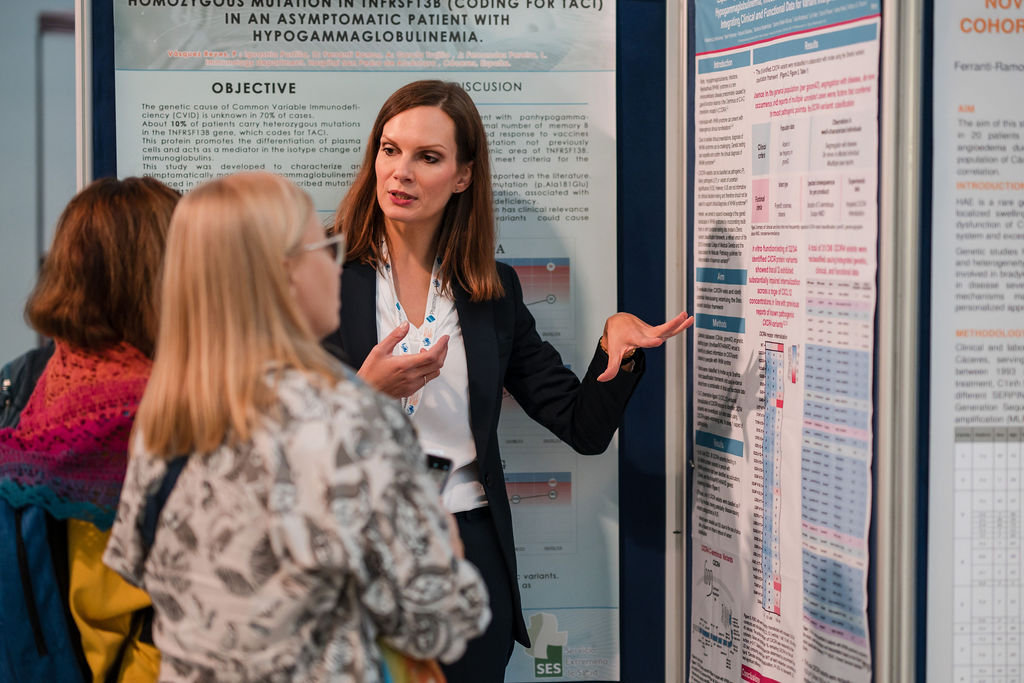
(335, 246)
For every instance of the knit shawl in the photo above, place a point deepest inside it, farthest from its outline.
(69, 451)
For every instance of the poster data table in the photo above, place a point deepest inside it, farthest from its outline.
(988, 565)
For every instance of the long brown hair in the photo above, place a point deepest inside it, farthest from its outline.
(227, 314)
(466, 240)
(98, 285)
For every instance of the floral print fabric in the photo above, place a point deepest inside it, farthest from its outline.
(286, 557)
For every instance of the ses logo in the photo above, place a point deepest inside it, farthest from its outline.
(550, 667)
(548, 644)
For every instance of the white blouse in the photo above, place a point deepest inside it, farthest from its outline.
(441, 408)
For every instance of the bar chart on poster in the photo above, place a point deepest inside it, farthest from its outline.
(542, 506)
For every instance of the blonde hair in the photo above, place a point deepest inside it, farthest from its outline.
(227, 314)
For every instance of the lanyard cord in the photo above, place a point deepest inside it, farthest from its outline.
(426, 332)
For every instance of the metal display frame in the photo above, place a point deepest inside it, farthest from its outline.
(640, 291)
(896, 549)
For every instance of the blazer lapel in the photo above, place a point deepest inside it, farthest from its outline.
(478, 336)
(358, 311)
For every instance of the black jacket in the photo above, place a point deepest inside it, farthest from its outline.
(503, 349)
(18, 380)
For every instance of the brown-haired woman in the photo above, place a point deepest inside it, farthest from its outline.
(96, 298)
(429, 316)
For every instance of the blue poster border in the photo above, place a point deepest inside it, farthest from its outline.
(640, 69)
(924, 307)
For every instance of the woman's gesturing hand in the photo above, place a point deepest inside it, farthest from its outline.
(401, 376)
(624, 332)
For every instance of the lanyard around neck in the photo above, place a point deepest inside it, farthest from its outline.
(398, 316)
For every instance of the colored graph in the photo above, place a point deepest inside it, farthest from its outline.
(545, 280)
(547, 292)
(530, 488)
(542, 501)
(543, 511)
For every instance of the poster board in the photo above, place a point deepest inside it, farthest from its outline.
(974, 617)
(203, 89)
(785, 172)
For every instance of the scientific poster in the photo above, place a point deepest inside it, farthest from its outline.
(785, 174)
(209, 87)
(976, 496)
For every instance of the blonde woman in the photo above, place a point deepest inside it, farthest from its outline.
(303, 526)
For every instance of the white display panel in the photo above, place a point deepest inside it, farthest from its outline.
(785, 177)
(208, 88)
(976, 438)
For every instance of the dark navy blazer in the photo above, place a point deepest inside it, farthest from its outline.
(503, 349)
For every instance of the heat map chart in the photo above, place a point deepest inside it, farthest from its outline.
(544, 511)
(531, 488)
(547, 292)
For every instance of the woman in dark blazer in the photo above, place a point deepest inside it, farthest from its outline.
(429, 317)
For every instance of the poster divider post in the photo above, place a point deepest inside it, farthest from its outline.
(83, 92)
(676, 375)
(897, 361)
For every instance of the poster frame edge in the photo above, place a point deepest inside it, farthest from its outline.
(83, 93)
(676, 375)
(897, 371)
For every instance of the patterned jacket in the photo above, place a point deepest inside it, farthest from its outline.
(285, 558)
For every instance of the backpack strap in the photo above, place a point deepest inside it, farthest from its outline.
(142, 623)
(155, 503)
(57, 538)
(142, 620)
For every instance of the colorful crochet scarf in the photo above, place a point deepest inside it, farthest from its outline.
(401, 668)
(69, 451)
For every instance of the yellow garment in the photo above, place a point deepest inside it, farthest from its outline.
(102, 604)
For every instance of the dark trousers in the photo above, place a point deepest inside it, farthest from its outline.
(487, 655)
